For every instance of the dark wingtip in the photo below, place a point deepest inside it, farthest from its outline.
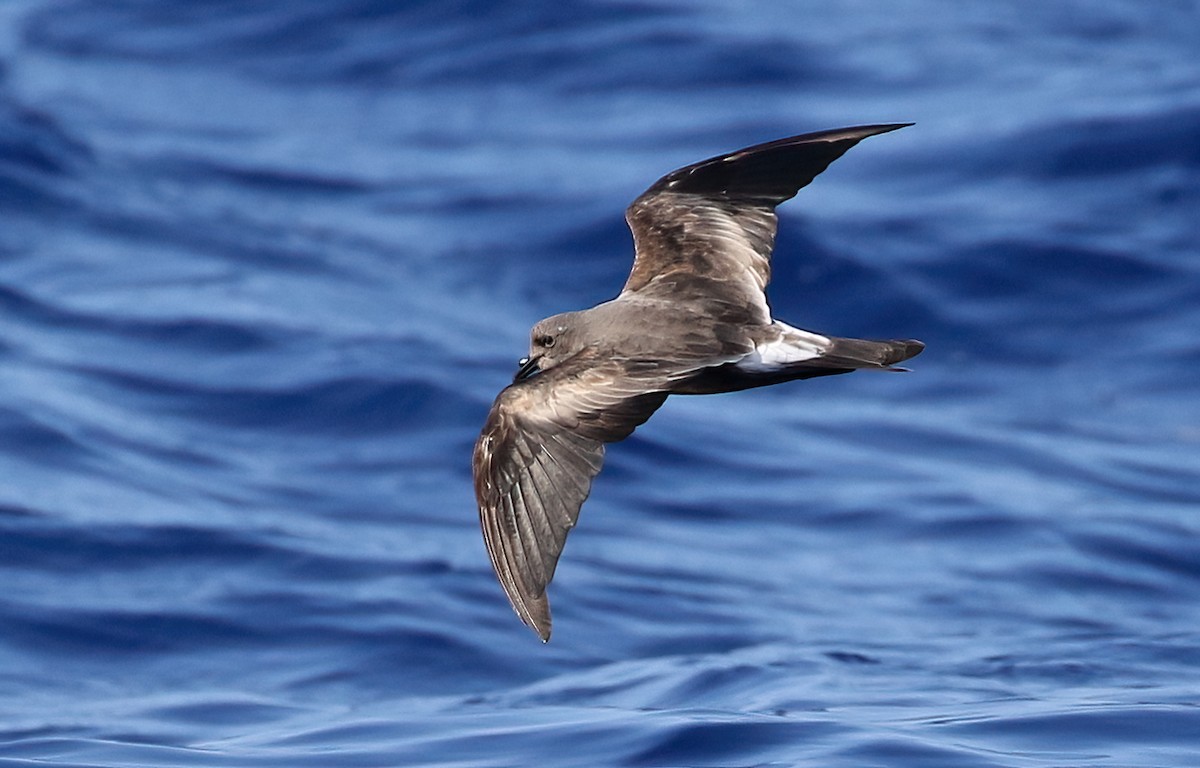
(773, 171)
(878, 128)
(536, 616)
(855, 133)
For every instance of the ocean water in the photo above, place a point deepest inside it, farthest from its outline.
(263, 267)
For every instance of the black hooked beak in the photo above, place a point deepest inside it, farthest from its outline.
(529, 367)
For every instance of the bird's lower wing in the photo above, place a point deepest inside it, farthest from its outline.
(534, 462)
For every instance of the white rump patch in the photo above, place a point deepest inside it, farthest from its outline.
(793, 346)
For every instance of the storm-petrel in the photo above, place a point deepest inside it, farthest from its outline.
(692, 319)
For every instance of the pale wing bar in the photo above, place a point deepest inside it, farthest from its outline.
(717, 217)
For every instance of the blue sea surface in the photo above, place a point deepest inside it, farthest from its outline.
(263, 267)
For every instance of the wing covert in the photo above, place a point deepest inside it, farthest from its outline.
(717, 217)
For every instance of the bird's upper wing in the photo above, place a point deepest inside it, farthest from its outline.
(716, 218)
(535, 459)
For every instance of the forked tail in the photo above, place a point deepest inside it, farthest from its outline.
(806, 357)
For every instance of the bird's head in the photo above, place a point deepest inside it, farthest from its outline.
(551, 341)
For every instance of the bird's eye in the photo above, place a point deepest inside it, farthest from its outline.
(545, 341)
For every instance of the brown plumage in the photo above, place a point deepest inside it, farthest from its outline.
(691, 319)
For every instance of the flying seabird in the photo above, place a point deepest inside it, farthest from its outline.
(692, 319)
